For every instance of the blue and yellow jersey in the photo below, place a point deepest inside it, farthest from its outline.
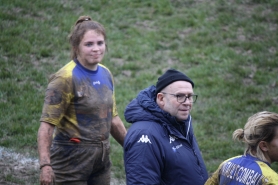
(80, 103)
(243, 170)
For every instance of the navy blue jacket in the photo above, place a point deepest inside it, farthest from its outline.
(155, 152)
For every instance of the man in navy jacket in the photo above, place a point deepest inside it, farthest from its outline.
(160, 146)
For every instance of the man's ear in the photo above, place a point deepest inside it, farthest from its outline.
(263, 146)
(160, 99)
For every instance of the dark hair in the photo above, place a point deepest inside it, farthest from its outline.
(259, 127)
(81, 26)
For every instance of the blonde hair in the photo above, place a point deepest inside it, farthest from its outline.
(259, 127)
(81, 26)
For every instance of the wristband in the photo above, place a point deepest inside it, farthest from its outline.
(43, 165)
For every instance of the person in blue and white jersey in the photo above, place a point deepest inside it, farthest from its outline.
(80, 113)
(160, 147)
(260, 134)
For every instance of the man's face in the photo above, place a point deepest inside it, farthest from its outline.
(169, 101)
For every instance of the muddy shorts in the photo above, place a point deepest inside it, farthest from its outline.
(81, 163)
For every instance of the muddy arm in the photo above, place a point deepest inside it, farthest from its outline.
(118, 130)
(45, 133)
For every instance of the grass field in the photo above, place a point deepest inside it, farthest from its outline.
(228, 47)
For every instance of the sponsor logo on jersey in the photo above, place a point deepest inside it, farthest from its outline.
(174, 148)
(96, 82)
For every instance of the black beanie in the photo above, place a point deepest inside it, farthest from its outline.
(170, 76)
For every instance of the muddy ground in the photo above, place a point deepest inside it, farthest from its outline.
(17, 169)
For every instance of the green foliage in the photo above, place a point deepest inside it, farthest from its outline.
(229, 49)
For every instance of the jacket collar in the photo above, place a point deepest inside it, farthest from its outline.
(145, 108)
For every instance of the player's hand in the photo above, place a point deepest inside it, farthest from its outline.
(47, 176)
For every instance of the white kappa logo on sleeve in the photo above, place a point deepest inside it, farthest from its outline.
(144, 139)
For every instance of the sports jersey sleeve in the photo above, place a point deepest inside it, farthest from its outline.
(271, 177)
(143, 162)
(213, 180)
(57, 99)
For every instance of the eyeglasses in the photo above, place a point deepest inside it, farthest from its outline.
(181, 98)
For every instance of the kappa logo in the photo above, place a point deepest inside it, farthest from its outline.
(144, 139)
(172, 138)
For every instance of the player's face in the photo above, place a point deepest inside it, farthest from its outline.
(272, 152)
(91, 49)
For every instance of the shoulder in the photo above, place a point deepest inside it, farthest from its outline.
(104, 72)
(104, 68)
(64, 73)
(227, 163)
(269, 174)
(233, 158)
(67, 68)
(144, 131)
(147, 127)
